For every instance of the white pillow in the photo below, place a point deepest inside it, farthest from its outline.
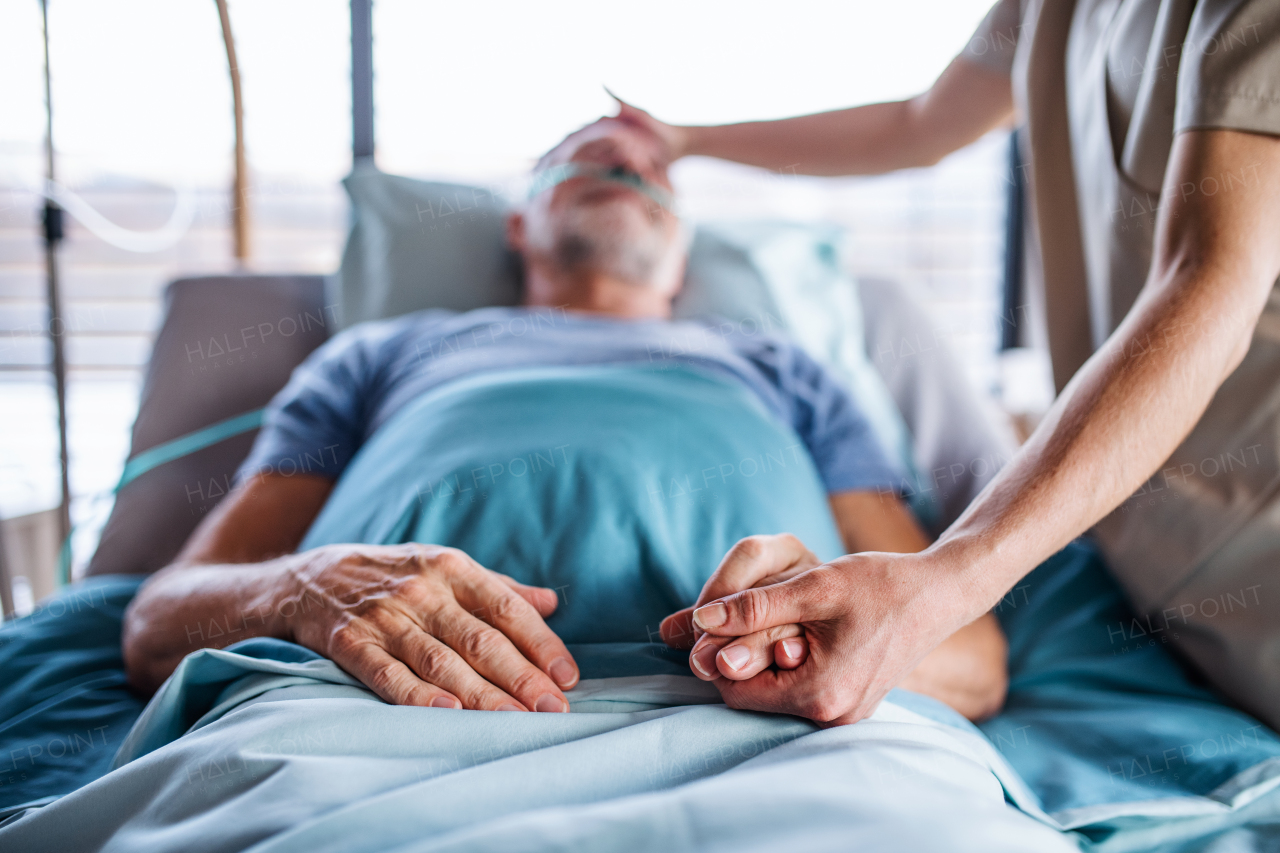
(421, 244)
(788, 277)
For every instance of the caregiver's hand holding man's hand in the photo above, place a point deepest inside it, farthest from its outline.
(834, 636)
(754, 562)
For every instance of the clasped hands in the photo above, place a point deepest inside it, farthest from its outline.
(775, 629)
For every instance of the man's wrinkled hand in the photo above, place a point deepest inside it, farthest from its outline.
(426, 625)
(864, 621)
(753, 562)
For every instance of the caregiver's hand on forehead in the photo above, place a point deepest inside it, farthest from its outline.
(611, 143)
(674, 139)
(840, 635)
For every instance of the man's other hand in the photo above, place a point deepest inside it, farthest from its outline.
(425, 625)
(755, 561)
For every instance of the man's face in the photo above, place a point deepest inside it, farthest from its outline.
(590, 223)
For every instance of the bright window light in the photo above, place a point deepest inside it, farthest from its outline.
(488, 86)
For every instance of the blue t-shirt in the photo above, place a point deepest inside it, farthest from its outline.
(348, 388)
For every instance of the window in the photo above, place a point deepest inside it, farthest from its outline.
(142, 106)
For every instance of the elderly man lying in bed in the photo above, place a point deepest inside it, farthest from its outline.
(602, 456)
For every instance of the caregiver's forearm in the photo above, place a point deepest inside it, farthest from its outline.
(1129, 407)
(965, 102)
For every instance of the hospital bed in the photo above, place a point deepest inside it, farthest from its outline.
(267, 746)
(1106, 743)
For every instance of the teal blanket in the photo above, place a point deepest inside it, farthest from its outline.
(621, 488)
(633, 483)
(64, 703)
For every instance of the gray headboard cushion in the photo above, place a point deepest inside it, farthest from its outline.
(958, 439)
(226, 346)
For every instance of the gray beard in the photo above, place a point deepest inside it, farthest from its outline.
(622, 260)
(609, 242)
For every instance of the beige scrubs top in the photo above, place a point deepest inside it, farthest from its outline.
(1102, 87)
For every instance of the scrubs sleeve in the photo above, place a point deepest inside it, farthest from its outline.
(315, 424)
(1229, 70)
(995, 41)
(834, 428)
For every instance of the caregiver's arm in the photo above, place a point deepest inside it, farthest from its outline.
(418, 624)
(870, 618)
(968, 671)
(966, 101)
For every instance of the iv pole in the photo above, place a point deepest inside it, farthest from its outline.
(53, 232)
(52, 223)
(240, 184)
